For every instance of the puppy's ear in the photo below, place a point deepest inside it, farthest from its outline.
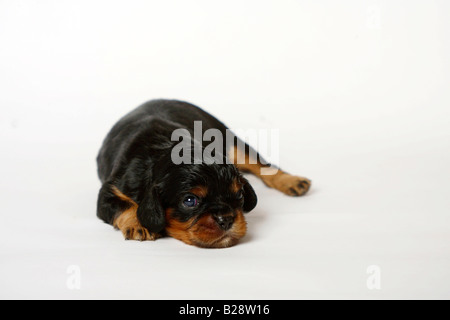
(250, 198)
(150, 211)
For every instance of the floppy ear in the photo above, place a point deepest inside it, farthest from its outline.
(150, 212)
(250, 198)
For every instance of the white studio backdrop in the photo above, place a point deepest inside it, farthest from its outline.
(358, 89)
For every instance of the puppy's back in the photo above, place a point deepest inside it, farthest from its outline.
(173, 114)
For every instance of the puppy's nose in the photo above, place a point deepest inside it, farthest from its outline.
(224, 222)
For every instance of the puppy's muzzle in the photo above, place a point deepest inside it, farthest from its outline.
(223, 215)
(224, 221)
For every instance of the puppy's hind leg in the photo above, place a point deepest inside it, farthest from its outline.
(117, 209)
(248, 160)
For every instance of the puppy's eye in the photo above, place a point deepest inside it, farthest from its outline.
(190, 201)
(240, 195)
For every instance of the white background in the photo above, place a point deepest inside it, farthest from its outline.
(359, 90)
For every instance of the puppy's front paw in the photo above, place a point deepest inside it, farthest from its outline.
(138, 234)
(291, 185)
(132, 229)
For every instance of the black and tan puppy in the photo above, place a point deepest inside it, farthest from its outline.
(202, 203)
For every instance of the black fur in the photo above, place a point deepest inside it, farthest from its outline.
(136, 159)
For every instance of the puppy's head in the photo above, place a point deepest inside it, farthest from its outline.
(204, 205)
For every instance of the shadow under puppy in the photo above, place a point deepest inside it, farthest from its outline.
(147, 196)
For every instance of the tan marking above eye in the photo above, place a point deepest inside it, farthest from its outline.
(200, 191)
(236, 186)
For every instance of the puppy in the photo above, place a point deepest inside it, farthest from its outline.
(148, 195)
